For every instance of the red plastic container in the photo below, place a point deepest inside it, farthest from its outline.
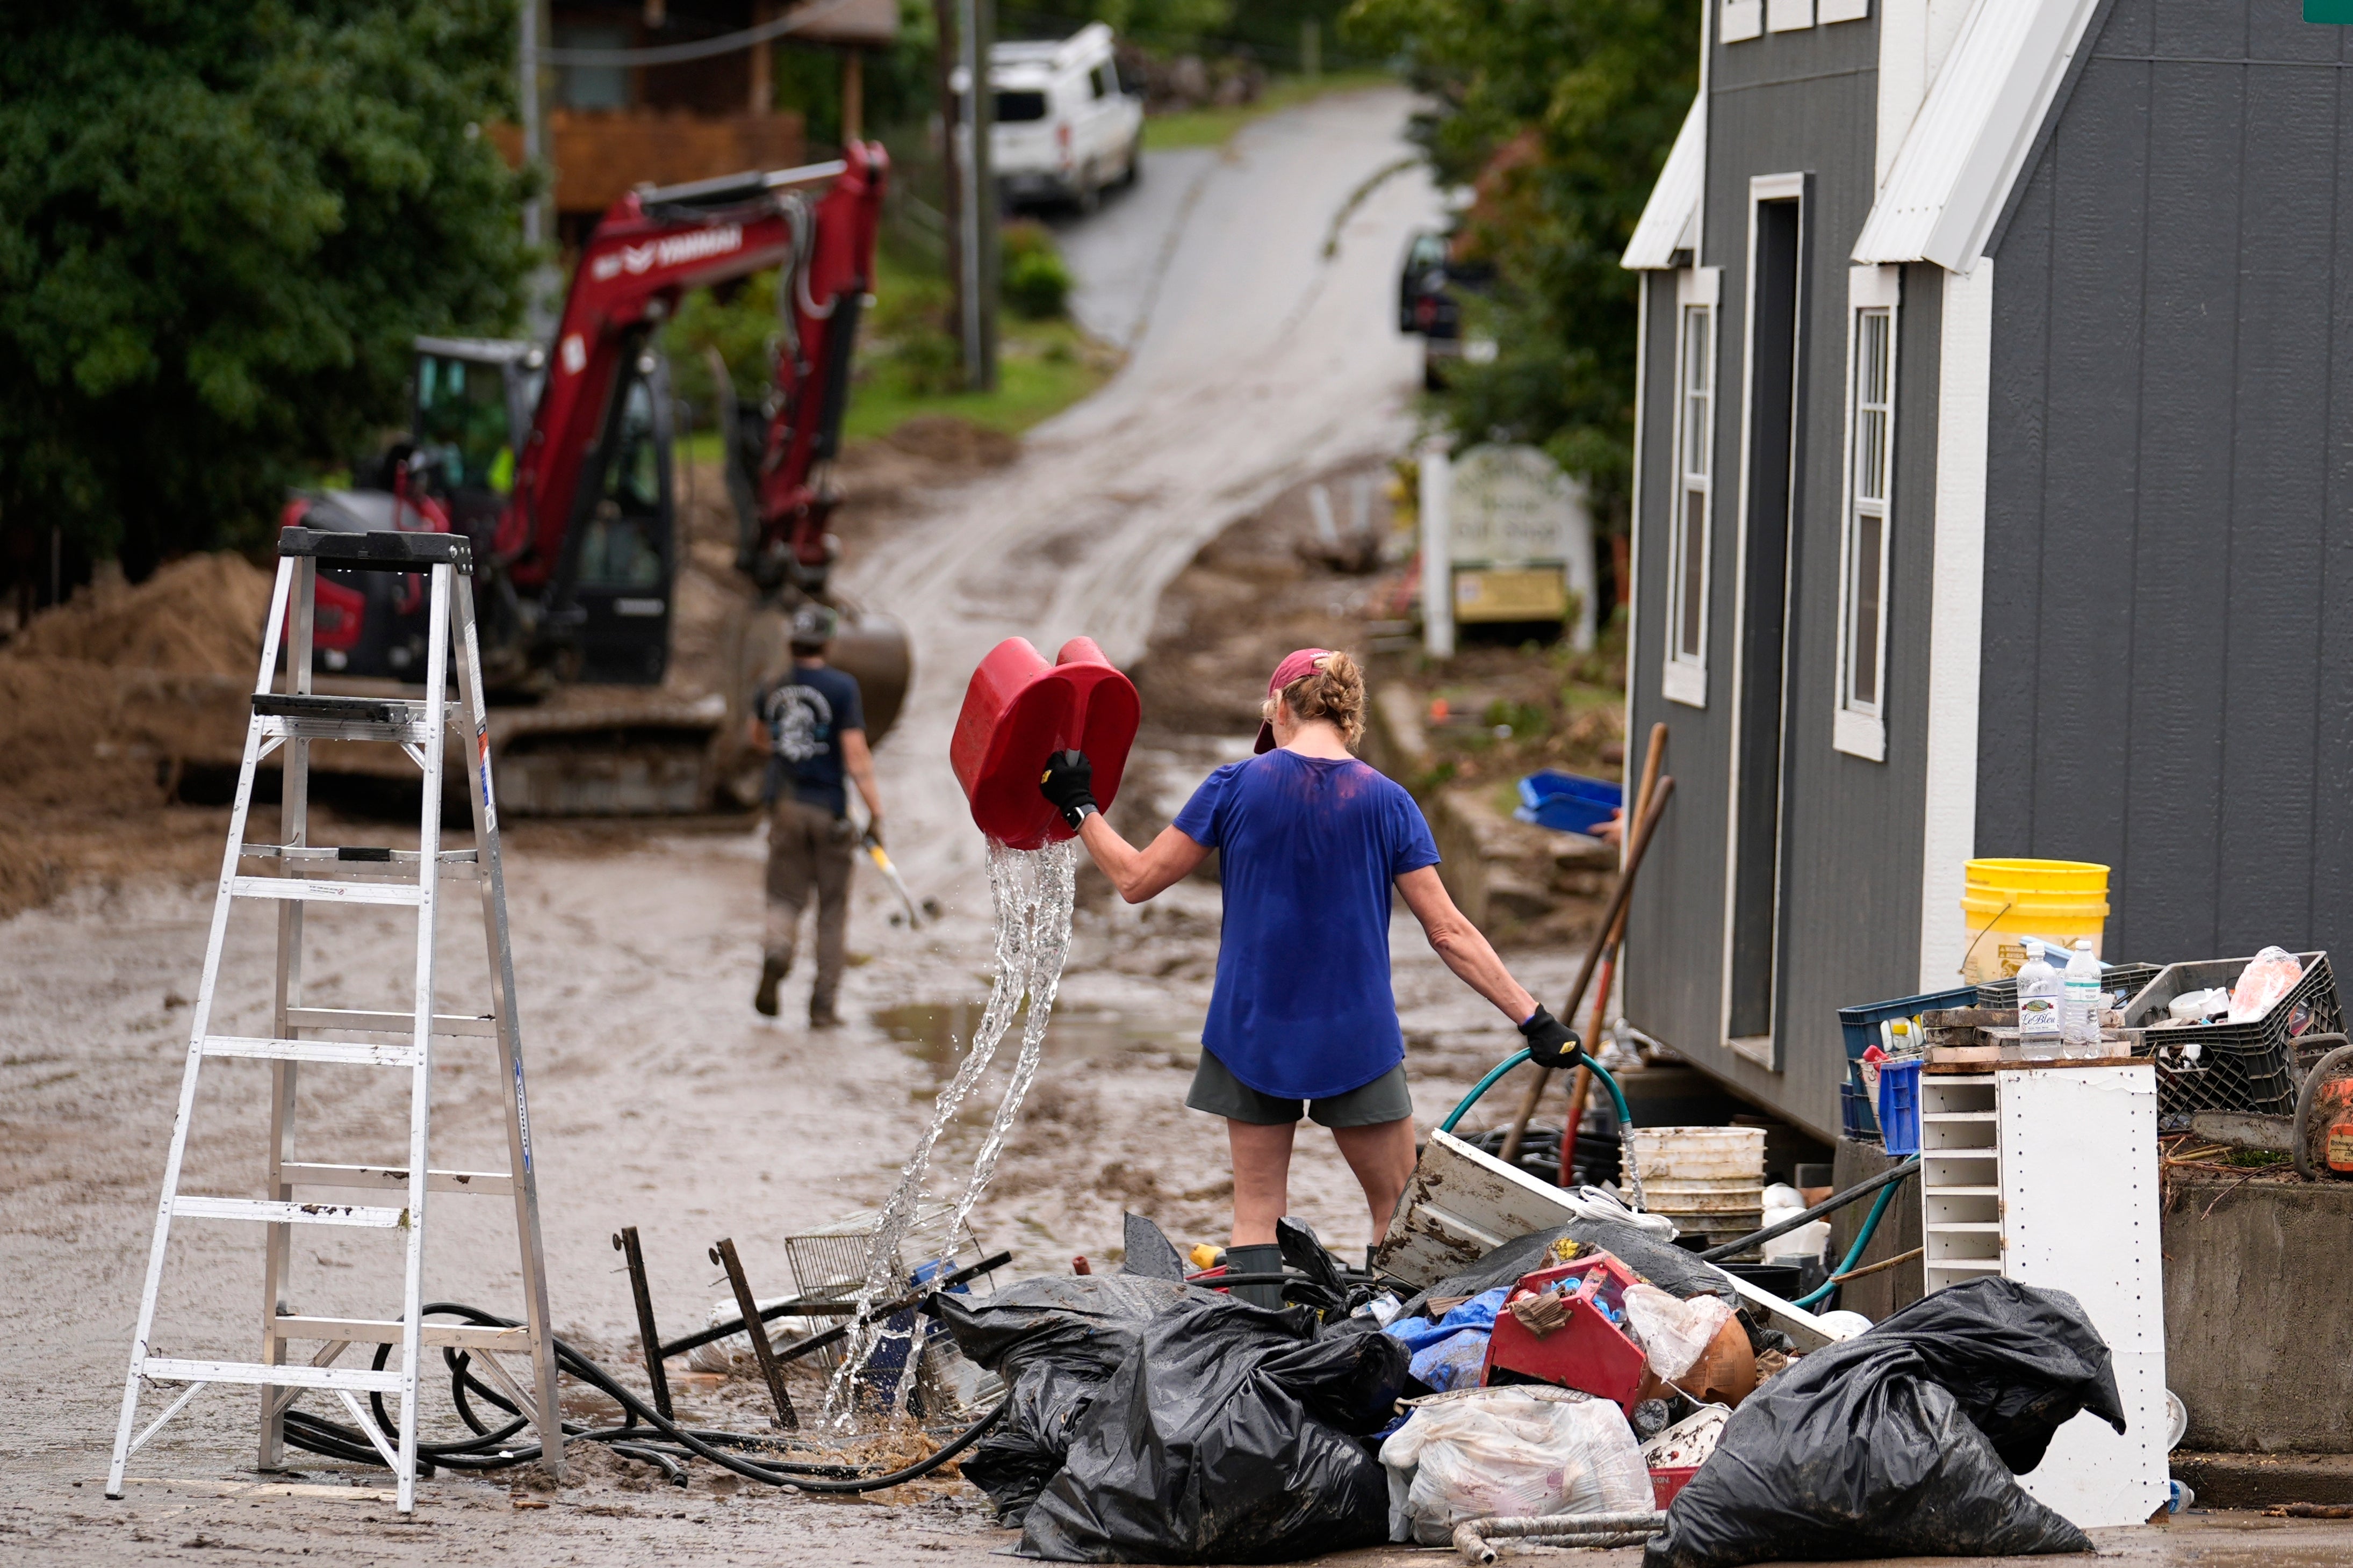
(1019, 710)
(1666, 1480)
(1589, 1351)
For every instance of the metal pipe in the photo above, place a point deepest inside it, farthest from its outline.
(1471, 1537)
(1835, 1201)
(809, 1307)
(626, 1243)
(724, 1255)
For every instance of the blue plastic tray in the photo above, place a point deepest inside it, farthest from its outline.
(1568, 803)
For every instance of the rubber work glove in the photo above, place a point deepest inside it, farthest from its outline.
(1551, 1042)
(1068, 782)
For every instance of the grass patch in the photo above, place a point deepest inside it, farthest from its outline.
(1042, 367)
(1212, 127)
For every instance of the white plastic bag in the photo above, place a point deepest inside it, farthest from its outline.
(1515, 1452)
(1674, 1333)
(2269, 975)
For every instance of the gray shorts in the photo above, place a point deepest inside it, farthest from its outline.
(1218, 1091)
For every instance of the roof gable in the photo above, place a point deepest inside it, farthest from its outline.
(1969, 144)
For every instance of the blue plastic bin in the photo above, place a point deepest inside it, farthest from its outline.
(1899, 1106)
(1862, 1023)
(1856, 1119)
(1568, 803)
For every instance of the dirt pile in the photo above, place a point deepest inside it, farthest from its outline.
(201, 615)
(102, 703)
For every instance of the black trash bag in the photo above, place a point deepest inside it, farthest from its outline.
(1902, 1441)
(1053, 1341)
(1233, 1433)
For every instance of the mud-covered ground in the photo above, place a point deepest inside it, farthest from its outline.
(1258, 363)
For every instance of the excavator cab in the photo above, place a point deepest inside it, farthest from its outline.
(608, 623)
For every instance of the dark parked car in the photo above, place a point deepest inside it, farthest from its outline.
(1429, 291)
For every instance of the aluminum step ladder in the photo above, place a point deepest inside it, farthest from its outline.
(294, 875)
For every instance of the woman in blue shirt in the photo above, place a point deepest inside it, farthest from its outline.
(1310, 842)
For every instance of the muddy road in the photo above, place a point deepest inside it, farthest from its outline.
(1257, 287)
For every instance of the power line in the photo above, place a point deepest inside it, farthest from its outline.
(701, 48)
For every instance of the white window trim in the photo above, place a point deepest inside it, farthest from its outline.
(1743, 19)
(1862, 733)
(1789, 16)
(1684, 679)
(1829, 11)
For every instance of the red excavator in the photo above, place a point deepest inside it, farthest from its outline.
(558, 462)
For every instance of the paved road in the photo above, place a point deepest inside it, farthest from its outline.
(1251, 288)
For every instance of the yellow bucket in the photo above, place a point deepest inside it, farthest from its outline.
(2005, 900)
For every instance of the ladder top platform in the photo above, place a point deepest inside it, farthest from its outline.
(378, 550)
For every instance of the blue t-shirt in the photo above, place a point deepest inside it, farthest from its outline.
(1307, 848)
(806, 712)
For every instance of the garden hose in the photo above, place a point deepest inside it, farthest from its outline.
(1625, 1117)
(1861, 1240)
(645, 1434)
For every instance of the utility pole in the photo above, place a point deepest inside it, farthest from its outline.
(1437, 549)
(527, 101)
(976, 202)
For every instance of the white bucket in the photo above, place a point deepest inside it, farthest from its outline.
(1663, 1197)
(1679, 1154)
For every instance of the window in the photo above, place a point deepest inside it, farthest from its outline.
(592, 86)
(1019, 107)
(1685, 673)
(1860, 726)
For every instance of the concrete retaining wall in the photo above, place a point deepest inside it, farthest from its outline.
(2259, 1313)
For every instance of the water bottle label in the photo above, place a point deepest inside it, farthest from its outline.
(2036, 1016)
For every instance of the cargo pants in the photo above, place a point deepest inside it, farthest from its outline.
(810, 850)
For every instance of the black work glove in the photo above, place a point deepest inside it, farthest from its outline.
(1068, 782)
(1551, 1042)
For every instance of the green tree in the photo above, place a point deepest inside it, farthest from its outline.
(1560, 113)
(221, 224)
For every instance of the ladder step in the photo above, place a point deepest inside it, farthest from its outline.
(359, 1379)
(303, 890)
(299, 716)
(367, 1021)
(369, 1332)
(347, 1053)
(361, 862)
(497, 1183)
(269, 1211)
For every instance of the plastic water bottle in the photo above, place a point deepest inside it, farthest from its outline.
(2080, 1028)
(2040, 997)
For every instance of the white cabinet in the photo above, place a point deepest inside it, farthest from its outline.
(2047, 1176)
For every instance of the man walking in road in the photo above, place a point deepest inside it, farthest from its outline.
(814, 728)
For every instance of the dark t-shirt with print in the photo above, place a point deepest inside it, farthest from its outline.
(806, 712)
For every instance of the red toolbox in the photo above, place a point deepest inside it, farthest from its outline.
(1589, 1351)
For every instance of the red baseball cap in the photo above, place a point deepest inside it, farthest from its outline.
(1296, 665)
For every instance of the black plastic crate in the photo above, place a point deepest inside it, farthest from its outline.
(2131, 979)
(2249, 1066)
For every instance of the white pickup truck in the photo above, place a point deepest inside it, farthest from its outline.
(1064, 127)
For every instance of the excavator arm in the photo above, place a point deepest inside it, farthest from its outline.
(652, 247)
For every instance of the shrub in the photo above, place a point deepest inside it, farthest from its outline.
(1034, 281)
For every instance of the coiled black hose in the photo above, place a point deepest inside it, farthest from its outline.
(645, 1435)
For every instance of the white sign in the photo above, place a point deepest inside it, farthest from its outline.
(1512, 506)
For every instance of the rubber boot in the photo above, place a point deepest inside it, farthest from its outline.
(772, 975)
(1266, 1258)
(822, 1015)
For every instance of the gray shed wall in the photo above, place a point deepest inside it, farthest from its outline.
(2168, 568)
(1784, 103)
